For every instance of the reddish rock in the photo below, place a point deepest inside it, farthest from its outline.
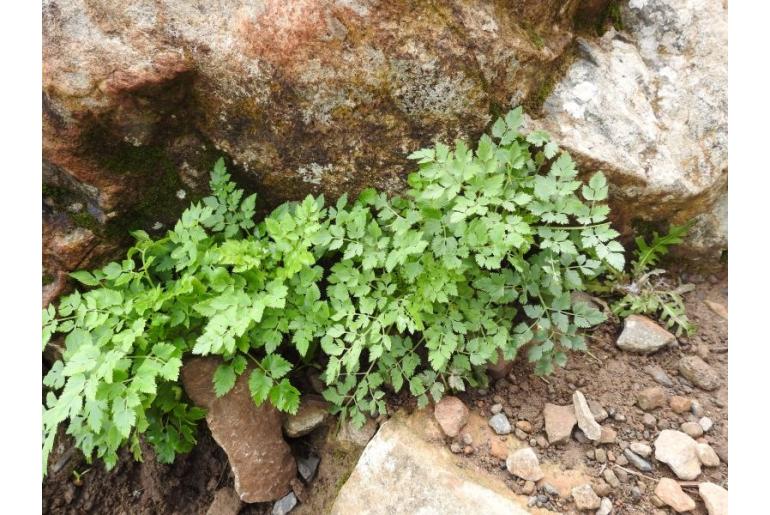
(451, 414)
(672, 494)
(262, 463)
(559, 421)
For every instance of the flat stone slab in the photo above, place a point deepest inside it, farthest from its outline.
(401, 473)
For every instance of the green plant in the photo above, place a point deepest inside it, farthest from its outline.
(646, 290)
(419, 292)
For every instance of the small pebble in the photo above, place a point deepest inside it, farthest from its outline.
(605, 508)
(528, 488)
(706, 424)
(456, 448)
(496, 408)
(467, 439)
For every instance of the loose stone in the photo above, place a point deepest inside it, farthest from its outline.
(714, 497)
(651, 398)
(637, 461)
(523, 463)
(585, 418)
(500, 424)
(451, 414)
(585, 498)
(672, 494)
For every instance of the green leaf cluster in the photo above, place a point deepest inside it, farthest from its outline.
(419, 292)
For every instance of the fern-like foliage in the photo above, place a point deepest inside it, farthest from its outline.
(420, 293)
(648, 255)
(647, 291)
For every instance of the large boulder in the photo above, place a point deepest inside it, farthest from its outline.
(648, 106)
(251, 436)
(312, 96)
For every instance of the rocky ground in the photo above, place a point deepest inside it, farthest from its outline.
(616, 431)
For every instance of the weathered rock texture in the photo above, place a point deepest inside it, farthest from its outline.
(649, 107)
(262, 463)
(310, 96)
(401, 473)
(329, 96)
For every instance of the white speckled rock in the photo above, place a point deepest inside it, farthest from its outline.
(401, 473)
(650, 110)
(714, 497)
(678, 451)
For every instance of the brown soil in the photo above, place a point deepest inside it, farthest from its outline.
(609, 376)
(613, 378)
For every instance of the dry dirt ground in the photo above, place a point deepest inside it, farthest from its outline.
(609, 376)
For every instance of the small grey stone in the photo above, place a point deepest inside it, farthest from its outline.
(697, 409)
(285, 504)
(532, 501)
(706, 424)
(521, 435)
(496, 408)
(580, 436)
(619, 417)
(635, 493)
(467, 439)
(549, 489)
(500, 424)
(308, 466)
(637, 461)
(456, 448)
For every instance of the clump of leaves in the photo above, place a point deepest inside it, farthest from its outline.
(479, 258)
(647, 290)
